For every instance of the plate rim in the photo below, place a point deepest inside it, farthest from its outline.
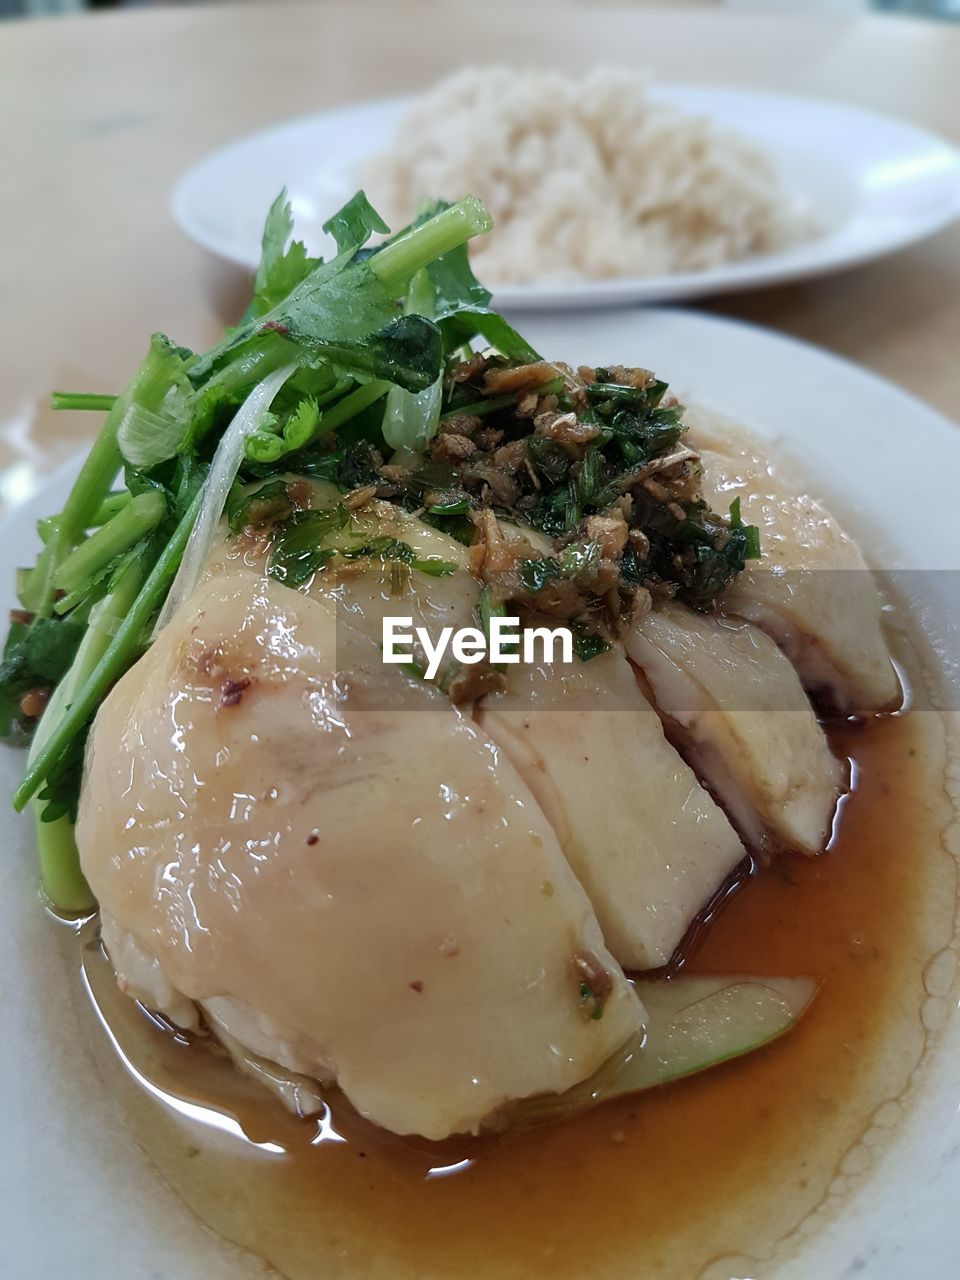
(759, 271)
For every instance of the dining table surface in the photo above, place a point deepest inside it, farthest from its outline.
(103, 112)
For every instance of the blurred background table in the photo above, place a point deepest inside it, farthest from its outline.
(103, 113)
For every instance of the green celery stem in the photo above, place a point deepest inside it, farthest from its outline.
(81, 400)
(93, 483)
(271, 353)
(60, 873)
(114, 660)
(109, 507)
(248, 368)
(350, 406)
(397, 263)
(131, 523)
(480, 407)
(63, 882)
(89, 489)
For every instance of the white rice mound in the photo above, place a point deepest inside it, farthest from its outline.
(586, 178)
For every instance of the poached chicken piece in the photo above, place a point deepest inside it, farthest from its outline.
(364, 592)
(646, 841)
(344, 865)
(735, 704)
(354, 879)
(811, 590)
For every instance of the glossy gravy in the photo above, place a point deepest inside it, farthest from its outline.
(703, 1177)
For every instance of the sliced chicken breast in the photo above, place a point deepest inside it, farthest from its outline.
(447, 597)
(735, 704)
(811, 590)
(441, 593)
(645, 840)
(344, 871)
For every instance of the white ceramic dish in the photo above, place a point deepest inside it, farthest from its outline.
(876, 184)
(77, 1196)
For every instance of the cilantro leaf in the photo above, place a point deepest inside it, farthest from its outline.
(35, 656)
(297, 554)
(281, 269)
(353, 225)
(406, 351)
(463, 323)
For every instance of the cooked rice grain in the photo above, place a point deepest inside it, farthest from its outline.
(585, 178)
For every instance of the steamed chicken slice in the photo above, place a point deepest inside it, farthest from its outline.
(340, 868)
(811, 590)
(737, 706)
(645, 840)
(375, 590)
(368, 589)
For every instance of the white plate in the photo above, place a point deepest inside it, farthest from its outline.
(875, 183)
(76, 1195)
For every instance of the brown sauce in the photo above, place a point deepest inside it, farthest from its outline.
(674, 1183)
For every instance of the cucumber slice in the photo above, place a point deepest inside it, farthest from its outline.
(692, 1024)
(695, 1023)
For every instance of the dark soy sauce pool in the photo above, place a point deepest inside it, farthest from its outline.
(726, 1163)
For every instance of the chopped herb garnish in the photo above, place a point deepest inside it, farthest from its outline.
(457, 507)
(460, 528)
(393, 549)
(751, 533)
(296, 555)
(587, 644)
(479, 408)
(267, 505)
(434, 566)
(536, 574)
(752, 537)
(35, 657)
(549, 459)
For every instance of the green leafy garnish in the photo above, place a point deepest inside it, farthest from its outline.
(279, 436)
(260, 508)
(393, 549)
(354, 224)
(34, 657)
(156, 409)
(410, 417)
(456, 507)
(751, 533)
(296, 554)
(537, 574)
(587, 644)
